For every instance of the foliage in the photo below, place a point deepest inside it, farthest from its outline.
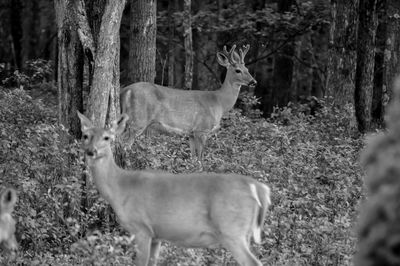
(310, 162)
(249, 103)
(247, 23)
(36, 72)
(39, 159)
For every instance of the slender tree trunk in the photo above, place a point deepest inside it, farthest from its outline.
(365, 64)
(16, 30)
(142, 42)
(283, 68)
(171, 44)
(392, 52)
(377, 110)
(187, 35)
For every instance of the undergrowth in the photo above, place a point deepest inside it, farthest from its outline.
(310, 163)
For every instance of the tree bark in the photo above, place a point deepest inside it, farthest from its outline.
(283, 68)
(104, 87)
(341, 62)
(365, 64)
(70, 68)
(171, 45)
(187, 35)
(392, 51)
(377, 110)
(142, 42)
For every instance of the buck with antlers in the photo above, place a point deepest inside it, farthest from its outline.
(191, 210)
(192, 113)
(8, 198)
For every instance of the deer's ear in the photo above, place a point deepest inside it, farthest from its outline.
(8, 198)
(118, 126)
(85, 122)
(222, 59)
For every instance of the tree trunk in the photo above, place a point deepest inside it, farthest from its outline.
(283, 68)
(171, 45)
(104, 20)
(142, 42)
(92, 16)
(16, 31)
(29, 38)
(105, 85)
(187, 35)
(70, 68)
(392, 51)
(365, 64)
(377, 110)
(341, 62)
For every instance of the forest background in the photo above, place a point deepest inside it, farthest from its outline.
(325, 72)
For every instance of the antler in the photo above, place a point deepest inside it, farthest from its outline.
(243, 53)
(229, 54)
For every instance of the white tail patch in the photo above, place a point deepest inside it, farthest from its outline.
(253, 190)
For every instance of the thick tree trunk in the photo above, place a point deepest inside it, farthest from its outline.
(106, 58)
(365, 64)
(187, 36)
(341, 63)
(392, 52)
(70, 68)
(142, 42)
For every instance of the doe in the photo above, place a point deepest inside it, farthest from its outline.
(191, 210)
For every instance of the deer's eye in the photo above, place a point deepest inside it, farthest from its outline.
(106, 138)
(85, 137)
(238, 71)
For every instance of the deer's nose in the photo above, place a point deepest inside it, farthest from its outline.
(91, 152)
(252, 83)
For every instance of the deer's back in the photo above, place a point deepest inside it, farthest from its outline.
(178, 111)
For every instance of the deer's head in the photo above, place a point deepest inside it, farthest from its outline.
(96, 141)
(237, 72)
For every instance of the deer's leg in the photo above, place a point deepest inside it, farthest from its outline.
(241, 252)
(192, 144)
(154, 251)
(200, 141)
(143, 242)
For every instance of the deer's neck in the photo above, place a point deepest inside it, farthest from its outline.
(229, 93)
(105, 174)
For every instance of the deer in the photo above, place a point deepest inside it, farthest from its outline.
(197, 210)
(8, 198)
(194, 113)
